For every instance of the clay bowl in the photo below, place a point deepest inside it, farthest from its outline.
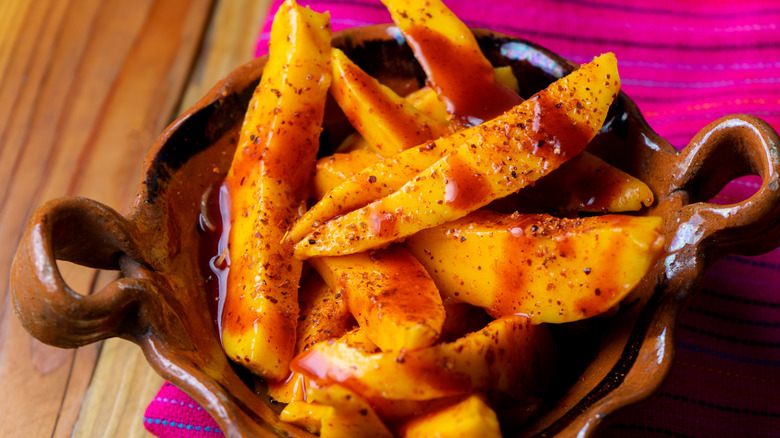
(160, 302)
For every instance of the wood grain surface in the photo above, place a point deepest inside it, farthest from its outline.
(86, 86)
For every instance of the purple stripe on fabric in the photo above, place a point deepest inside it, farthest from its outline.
(752, 262)
(644, 428)
(729, 356)
(672, 12)
(699, 84)
(752, 302)
(733, 319)
(718, 407)
(607, 42)
(699, 95)
(727, 338)
(670, 410)
(662, 119)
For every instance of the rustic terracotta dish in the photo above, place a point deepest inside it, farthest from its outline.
(161, 303)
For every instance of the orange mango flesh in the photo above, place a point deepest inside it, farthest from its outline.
(508, 355)
(451, 57)
(386, 120)
(551, 269)
(267, 181)
(471, 417)
(505, 155)
(390, 295)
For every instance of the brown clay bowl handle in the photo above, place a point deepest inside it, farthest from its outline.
(728, 148)
(87, 233)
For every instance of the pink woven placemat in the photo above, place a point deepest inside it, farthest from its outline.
(685, 64)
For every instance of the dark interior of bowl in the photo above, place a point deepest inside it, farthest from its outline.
(192, 157)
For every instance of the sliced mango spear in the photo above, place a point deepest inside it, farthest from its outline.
(377, 181)
(390, 295)
(306, 415)
(505, 155)
(586, 183)
(267, 181)
(324, 315)
(333, 170)
(361, 189)
(426, 100)
(508, 355)
(351, 416)
(386, 120)
(550, 269)
(336, 412)
(468, 418)
(451, 58)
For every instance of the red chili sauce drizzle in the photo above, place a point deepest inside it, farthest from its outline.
(472, 92)
(557, 138)
(464, 188)
(323, 371)
(391, 115)
(214, 226)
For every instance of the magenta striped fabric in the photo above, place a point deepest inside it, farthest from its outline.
(685, 63)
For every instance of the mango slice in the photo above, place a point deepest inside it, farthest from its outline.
(469, 418)
(588, 184)
(507, 154)
(336, 412)
(267, 181)
(386, 120)
(426, 100)
(453, 62)
(390, 295)
(550, 269)
(508, 355)
(333, 170)
(351, 416)
(324, 315)
(306, 415)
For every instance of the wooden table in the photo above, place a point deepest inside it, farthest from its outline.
(86, 86)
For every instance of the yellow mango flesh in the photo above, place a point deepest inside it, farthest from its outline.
(471, 417)
(586, 183)
(351, 416)
(354, 142)
(508, 355)
(324, 314)
(359, 190)
(333, 170)
(505, 155)
(550, 269)
(306, 415)
(267, 181)
(390, 295)
(386, 120)
(451, 58)
(426, 100)
(377, 181)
